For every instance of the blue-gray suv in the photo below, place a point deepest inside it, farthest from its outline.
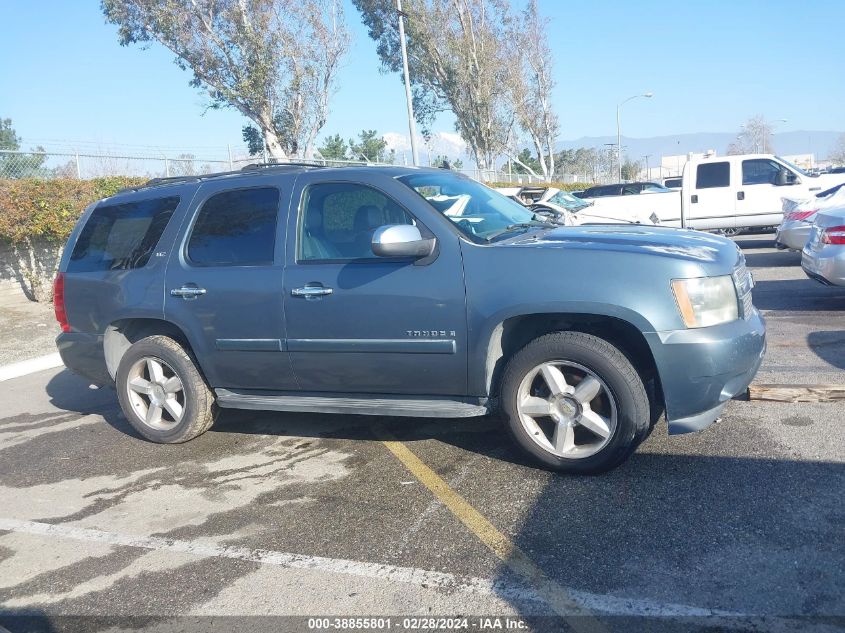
(403, 292)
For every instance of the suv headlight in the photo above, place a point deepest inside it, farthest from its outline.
(706, 300)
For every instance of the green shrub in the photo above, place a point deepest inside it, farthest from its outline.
(565, 186)
(31, 208)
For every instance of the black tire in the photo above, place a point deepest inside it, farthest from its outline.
(612, 367)
(199, 410)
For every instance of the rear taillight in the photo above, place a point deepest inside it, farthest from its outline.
(799, 215)
(59, 302)
(833, 235)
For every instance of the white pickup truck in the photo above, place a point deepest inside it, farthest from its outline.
(725, 192)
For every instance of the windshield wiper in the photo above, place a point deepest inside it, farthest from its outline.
(522, 225)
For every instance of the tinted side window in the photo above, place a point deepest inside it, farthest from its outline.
(121, 236)
(338, 221)
(236, 228)
(759, 171)
(709, 175)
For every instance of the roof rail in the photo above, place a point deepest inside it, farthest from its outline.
(169, 180)
(299, 163)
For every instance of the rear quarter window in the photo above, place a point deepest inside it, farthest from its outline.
(121, 236)
(236, 228)
(712, 175)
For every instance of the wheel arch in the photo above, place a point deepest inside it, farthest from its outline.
(513, 333)
(121, 334)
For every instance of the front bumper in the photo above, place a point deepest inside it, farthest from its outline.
(83, 354)
(701, 369)
(826, 265)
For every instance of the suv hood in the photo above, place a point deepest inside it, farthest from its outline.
(685, 244)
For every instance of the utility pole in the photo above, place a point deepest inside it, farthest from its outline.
(412, 128)
(647, 173)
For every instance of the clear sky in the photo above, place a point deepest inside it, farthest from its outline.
(710, 64)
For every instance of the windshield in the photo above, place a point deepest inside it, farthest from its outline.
(652, 187)
(481, 213)
(568, 201)
(796, 168)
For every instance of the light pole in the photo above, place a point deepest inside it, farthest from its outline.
(765, 147)
(647, 95)
(647, 174)
(412, 128)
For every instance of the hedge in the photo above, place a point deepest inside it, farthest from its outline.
(32, 208)
(566, 186)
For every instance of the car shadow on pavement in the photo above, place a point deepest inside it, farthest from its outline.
(829, 345)
(780, 259)
(747, 243)
(702, 530)
(70, 392)
(802, 295)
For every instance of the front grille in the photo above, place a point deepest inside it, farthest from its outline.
(744, 282)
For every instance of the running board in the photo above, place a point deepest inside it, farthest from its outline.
(419, 407)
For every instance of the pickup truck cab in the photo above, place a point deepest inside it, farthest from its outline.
(729, 193)
(404, 292)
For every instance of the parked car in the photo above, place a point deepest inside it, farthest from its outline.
(823, 258)
(568, 210)
(799, 215)
(728, 193)
(559, 203)
(400, 291)
(622, 189)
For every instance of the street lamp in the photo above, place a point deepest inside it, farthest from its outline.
(765, 148)
(647, 95)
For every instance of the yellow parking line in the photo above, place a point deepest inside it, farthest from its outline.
(513, 557)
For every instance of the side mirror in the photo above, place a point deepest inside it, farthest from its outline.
(401, 240)
(785, 177)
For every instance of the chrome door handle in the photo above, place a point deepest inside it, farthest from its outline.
(311, 291)
(187, 292)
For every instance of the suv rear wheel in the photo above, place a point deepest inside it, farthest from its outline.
(162, 393)
(574, 402)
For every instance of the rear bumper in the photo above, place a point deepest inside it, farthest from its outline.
(83, 354)
(793, 235)
(826, 265)
(702, 369)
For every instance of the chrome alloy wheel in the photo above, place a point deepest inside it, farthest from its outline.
(566, 409)
(156, 394)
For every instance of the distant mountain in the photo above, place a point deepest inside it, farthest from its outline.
(820, 143)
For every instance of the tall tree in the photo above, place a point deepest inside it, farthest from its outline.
(369, 146)
(334, 148)
(631, 169)
(526, 163)
(755, 136)
(26, 165)
(275, 61)
(457, 61)
(530, 84)
(838, 154)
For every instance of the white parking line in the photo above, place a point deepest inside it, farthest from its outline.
(605, 604)
(24, 367)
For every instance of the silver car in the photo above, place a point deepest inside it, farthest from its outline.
(799, 215)
(823, 258)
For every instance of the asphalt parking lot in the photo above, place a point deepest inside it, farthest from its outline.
(274, 514)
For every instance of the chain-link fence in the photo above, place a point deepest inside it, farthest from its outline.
(83, 166)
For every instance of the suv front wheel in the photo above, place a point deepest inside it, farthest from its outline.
(574, 402)
(162, 393)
